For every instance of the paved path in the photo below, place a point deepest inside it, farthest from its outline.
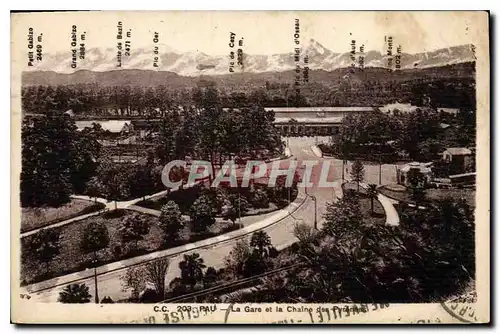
(371, 173)
(391, 214)
(211, 242)
(65, 222)
(130, 204)
(109, 205)
(280, 231)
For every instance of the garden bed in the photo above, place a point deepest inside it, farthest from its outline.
(72, 259)
(186, 197)
(378, 216)
(33, 218)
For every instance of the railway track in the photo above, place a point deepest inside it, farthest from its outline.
(229, 286)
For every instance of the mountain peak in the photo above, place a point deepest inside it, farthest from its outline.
(190, 63)
(314, 47)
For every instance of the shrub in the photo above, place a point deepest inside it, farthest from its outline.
(260, 199)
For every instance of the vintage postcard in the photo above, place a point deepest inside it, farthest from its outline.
(250, 167)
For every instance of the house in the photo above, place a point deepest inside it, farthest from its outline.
(112, 127)
(69, 113)
(114, 132)
(423, 167)
(459, 157)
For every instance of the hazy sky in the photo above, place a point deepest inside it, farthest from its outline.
(263, 32)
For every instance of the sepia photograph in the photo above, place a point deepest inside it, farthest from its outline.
(285, 167)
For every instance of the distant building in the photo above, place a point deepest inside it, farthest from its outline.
(69, 113)
(115, 132)
(115, 127)
(422, 167)
(460, 157)
(305, 121)
(406, 108)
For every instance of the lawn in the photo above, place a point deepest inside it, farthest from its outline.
(33, 218)
(72, 259)
(433, 195)
(186, 197)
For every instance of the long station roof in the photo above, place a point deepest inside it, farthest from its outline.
(321, 109)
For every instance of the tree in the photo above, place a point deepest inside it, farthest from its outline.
(113, 180)
(165, 142)
(261, 242)
(416, 181)
(156, 272)
(45, 245)
(235, 261)
(134, 279)
(305, 233)
(210, 277)
(357, 172)
(202, 212)
(107, 300)
(94, 188)
(343, 217)
(75, 294)
(46, 160)
(260, 199)
(134, 228)
(171, 221)
(235, 207)
(192, 269)
(85, 153)
(56, 159)
(372, 194)
(95, 237)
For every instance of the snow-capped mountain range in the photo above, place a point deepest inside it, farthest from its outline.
(196, 63)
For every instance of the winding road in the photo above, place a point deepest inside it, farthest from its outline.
(281, 233)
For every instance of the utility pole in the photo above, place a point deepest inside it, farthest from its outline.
(95, 281)
(315, 212)
(343, 162)
(380, 170)
(239, 206)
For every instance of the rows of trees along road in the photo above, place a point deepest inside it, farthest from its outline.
(58, 160)
(449, 86)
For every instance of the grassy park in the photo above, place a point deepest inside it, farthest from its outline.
(71, 257)
(37, 217)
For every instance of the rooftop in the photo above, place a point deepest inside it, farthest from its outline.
(320, 109)
(114, 126)
(423, 167)
(317, 120)
(458, 151)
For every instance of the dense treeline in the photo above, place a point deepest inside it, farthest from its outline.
(420, 135)
(447, 87)
(59, 160)
(349, 260)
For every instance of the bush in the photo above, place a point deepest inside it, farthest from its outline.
(260, 199)
(107, 300)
